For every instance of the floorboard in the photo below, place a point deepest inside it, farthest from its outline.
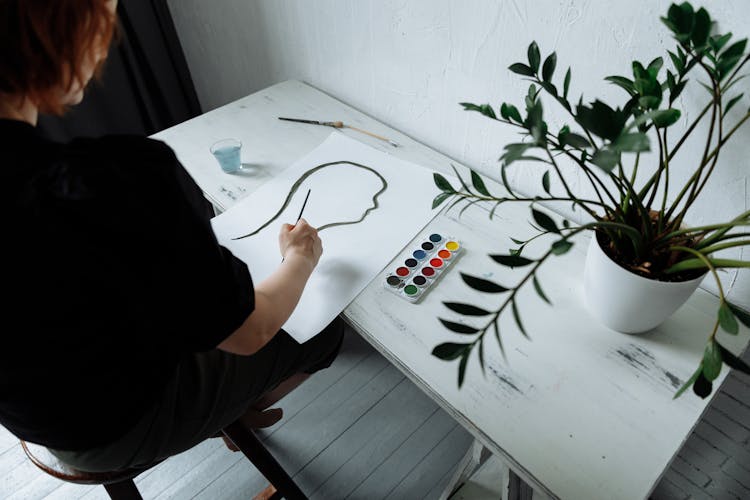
(360, 430)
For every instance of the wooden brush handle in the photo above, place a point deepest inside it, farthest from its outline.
(369, 133)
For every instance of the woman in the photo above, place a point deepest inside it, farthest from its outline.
(135, 335)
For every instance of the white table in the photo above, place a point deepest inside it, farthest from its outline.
(579, 411)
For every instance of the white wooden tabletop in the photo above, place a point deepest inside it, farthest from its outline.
(578, 411)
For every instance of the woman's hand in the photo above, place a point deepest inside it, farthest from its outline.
(302, 241)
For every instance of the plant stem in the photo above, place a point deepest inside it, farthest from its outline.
(715, 107)
(662, 221)
(704, 229)
(723, 246)
(565, 184)
(713, 271)
(592, 177)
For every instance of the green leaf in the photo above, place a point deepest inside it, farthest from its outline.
(702, 386)
(732, 102)
(511, 260)
(458, 327)
(734, 50)
(678, 64)
(439, 199)
(639, 72)
(450, 350)
(545, 182)
(534, 115)
(733, 361)
(622, 82)
(561, 247)
(517, 317)
(512, 112)
(699, 264)
(548, 69)
(741, 315)
(665, 117)
(462, 368)
(711, 361)
(478, 183)
(487, 111)
(574, 140)
(539, 290)
(545, 221)
(689, 382)
(442, 183)
(504, 111)
(549, 88)
(466, 309)
(482, 285)
(468, 106)
(521, 69)
(725, 65)
(632, 142)
(654, 66)
(566, 84)
(649, 102)
(660, 117)
(514, 152)
(701, 29)
(605, 159)
(727, 320)
(674, 93)
(601, 120)
(683, 18)
(534, 56)
(481, 354)
(718, 42)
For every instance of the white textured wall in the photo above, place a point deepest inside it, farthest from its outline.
(409, 62)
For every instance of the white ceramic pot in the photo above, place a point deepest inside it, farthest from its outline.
(626, 302)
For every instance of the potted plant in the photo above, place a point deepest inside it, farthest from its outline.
(640, 237)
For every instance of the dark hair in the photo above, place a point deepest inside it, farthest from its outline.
(44, 45)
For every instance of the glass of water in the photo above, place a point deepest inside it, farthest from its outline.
(227, 153)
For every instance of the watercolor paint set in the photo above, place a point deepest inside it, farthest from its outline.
(419, 271)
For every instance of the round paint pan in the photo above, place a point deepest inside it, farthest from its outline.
(453, 246)
(445, 254)
(393, 281)
(420, 281)
(428, 272)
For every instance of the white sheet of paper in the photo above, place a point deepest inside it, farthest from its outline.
(352, 254)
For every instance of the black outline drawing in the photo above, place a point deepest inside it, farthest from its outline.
(307, 174)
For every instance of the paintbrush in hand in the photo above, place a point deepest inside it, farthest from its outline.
(300, 211)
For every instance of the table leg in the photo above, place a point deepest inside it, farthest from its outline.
(475, 456)
(494, 480)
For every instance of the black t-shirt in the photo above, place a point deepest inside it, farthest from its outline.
(111, 275)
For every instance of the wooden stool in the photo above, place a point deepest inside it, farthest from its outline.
(120, 485)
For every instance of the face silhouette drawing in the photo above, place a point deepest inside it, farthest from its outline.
(341, 193)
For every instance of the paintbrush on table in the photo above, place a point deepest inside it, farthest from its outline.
(341, 125)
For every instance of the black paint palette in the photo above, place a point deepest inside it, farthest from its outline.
(418, 271)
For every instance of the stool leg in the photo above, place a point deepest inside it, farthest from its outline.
(262, 459)
(123, 490)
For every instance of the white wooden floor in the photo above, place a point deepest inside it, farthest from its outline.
(361, 430)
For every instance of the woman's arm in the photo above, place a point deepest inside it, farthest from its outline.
(278, 295)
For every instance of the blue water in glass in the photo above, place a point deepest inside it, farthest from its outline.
(229, 158)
